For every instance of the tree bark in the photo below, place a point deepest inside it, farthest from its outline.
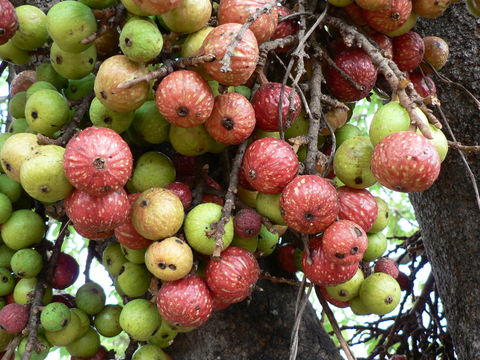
(448, 212)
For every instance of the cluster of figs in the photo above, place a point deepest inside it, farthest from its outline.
(131, 174)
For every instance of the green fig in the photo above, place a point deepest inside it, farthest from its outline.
(268, 205)
(25, 289)
(85, 346)
(102, 116)
(46, 112)
(388, 119)
(46, 72)
(113, 259)
(380, 293)
(55, 316)
(194, 42)
(32, 28)
(249, 244)
(99, 4)
(66, 335)
(5, 339)
(19, 125)
(10, 53)
(347, 290)
(26, 263)
(150, 125)
(16, 105)
(381, 221)
(39, 85)
(345, 132)
(153, 169)
(10, 188)
(37, 354)
(164, 336)
(140, 40)
(73, 65)
(132, 8)
(134, 256)
(267, 241)
(377, 245)
(192, 141)
(90, 298)
(107, 321)
(140, 319)
(84, 321)
(14, 151)
(190, 16)
(7, 282)
(80, 88)
(134, 279)
(5, 208)
(358, 307)
(150, 352)
(24, 228)
(6, 255)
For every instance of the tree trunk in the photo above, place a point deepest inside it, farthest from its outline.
(448, 213)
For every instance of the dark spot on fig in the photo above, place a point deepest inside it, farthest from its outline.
(144, 203)
(182, 111)
(90, 61)
(357, 231)
(395, 16)
(64, 323)
(34, 115)
(354, 250)
(107, 120)
(21, 273)
(162, 265)
(172, 267)
(399, 188)
(340, 256)
(107, 189)
(95, 291)
(128, 42)
(342, 293)
(109, 261)
(179, 241)
(2, 31)
(7, 166)
(239, 277)
(309, 216)
(413, 158)
(164, 336)
(73, 89)
(102, 93)
(386, 215)
(122, 269)
(58, 59)
(228, 123)
(358, 180)
(388, 300)
(44, 189)
(99, 163)
(197, 307)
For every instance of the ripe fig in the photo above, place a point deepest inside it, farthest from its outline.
(183, 192)
(344, 242)
(8, 22)
(285, 258)
(14, 318)
(247, 223)
(436, 53)
(357, 205)
(391, 18)
(154, 7)
(374, 5)
(424, 85)
(285, 28)
(387, 266)
(22, 81)
(189, 16)
(65, 273)
(408, 50)
(430, 9)
(170, 259)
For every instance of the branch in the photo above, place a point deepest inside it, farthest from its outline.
(90, 257)
(465, 148)
(11, 347)
(167, 68)
(218, 228)
(279, 280)
(132, 346)
(227, 58)
(109, 18)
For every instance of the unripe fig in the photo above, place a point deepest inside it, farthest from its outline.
(26, 263)
(193, 141)
(170, 259)
(382, 218)
(73, 65)
(189, 16)
(55, 316)
(348, 290)
(140, 40)
(113, 259)
(140, 319)
(107, 321)
(66, 335)
(24, 290)
(152, 169)
(102, 116)
(268, 205)
(90, 298)
(32, 28)
(14, 151)
(150, 124)
(150, 352)
(85, 346)
(380, 293)
(23, 229)
(377, 245)
(134, 279)
(5, 208)
(46, 72)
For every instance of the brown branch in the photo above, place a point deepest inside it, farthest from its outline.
(227, 58)
(11, 347)
(42, 282)
(271, 45)
(331, 318)
(69, 129)
(279, 280)
(300, 306)
(218, 228)
(169, 67)
(108, 19)
(90, 257)
(200, 183)
(132, 346)
(465, 148)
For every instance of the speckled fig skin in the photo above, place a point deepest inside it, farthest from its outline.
(231, 279)
(126, 233)
(357, 205)
(408, 50)
(232, 120)
(430, 9)
(358, 65)
(98, 161)
(384, 42)
(322, 271)
(309, 204)
(265, 102)
(387, 266)
(344, 242)
(97, 214)
(170, 259)
(184, 98)
(157, 214)
(114, 71)
(424, 85)
(375, 5)
(269, 165)
(22, 81)
(436, 53)
(8, 21)
(186, 302)
(238, 11)
(390, 19)
(285, 28)
(92, 235)
(243, 63)
(156, 7)
(14, 318)
(406, 162)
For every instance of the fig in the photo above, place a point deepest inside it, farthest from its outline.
(170, 259)
(133, 280)
(90, 298)
(85, 346)
(101, 116)
(55, 316)
(436, 53)
(26, 263)
(140, 40)
(8, 22)
(344, 242)
(189, 16)
(380, 293)
(391, 18)
(32, 28)
(113, 259)
(150, 124)
(107, 321)
(24, 228)
(140, 319)
(348, 290)
(14, 151)
(193, 141)
(408, 50)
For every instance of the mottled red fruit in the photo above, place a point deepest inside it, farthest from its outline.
(436, 53)
(384, 42)
(101, 354)
(387, 266)
(405, 161)
(14, 318)
(375, 5)
(186, 302)
(66, 299)
(232, 120)
(334, 302)
(285, 28)
(218, 304)
(344, 242)
(356, 14)
(8, 21)
(184, 165)
(243, 182)
(232, 278)
(182, 191)
(65, 273)
(87, 233)
(357, 205)
(184, 98)
(322, 271)
(126, 233)
(391, 18)
(424, 85)
(244, 60)
(408, 50)
(404, 281)
(22, 81)
(96, 214)
(269, 165)
(356, 64)
(239, 11)
(247, 223)
(265, 102)
(309, 204)
(155, 7)
(97, 161)
(285, 257)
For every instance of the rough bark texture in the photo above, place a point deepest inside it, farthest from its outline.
(258, 330)
(447, 213)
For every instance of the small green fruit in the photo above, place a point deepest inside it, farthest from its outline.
(249, 244)
(377, 245)
(381, 221)
(68, 334)
(55, 316)
(23, 229)
(7, 282)
(35, 355)
(14, 151)
(197, 225)
(268, 205)
(153, 169)
(358, 307)
(347, 131)
(19, 125)
(298, 128)
(150, 125)
(150, 352)
(26, 263)
(133, 8)
(389, 119)
(46, 72)
(90, 298)
(380, 293)
(347, 290)
(439, 140)
(192, 141)
(99, 4)
(194, 41)
(46, 112)
(32, 28)
(84, 321)
(190, 16)
(107, 321)
(16, 105)
(134, 256)
(113, 259)
(340, 3)
(85, 346)
(102, 116)
(39, 85)
(134, 279)
(5, 256)
(267, 241)
(10, 53)
(24, 290)
(352, 163)
(164, 336)
(73, 65)
(140, 40)
(5, 208)
(77, 89)
(10, 188)
(140, 319)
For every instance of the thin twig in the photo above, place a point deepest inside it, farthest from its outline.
(279, 280)
(465, 148)
(90, 257)
(298, 319)
(11, 347)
